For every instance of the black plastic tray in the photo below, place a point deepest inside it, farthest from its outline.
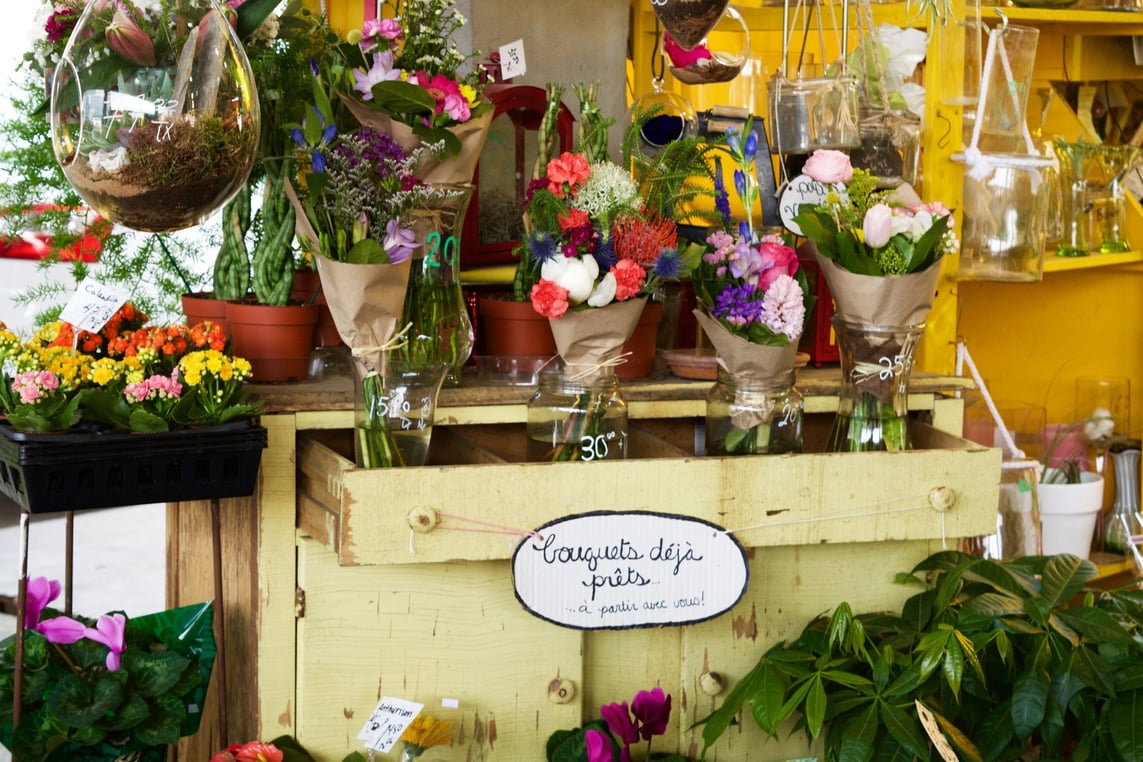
(103, 468)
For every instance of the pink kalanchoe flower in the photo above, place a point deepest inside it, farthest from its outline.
(652, 709)
(129, 41)
(381, 71)
(109, 631)
(388, 29)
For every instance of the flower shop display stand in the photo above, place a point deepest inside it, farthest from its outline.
(337, 602)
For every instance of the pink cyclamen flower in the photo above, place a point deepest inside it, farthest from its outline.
(381, 71)
(598, 747)
(828, 167)
(618, 719)
(59, 629)
(877, 225)
(129, 41)
(41, 592)
(652, 709)
(109, 631)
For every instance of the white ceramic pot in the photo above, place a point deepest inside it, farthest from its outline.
(1068, 513)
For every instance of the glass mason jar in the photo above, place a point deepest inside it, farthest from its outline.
(572, 418)
(394, 409)
(441, 329)
(872, 412)
(748, 415)
(154, 112)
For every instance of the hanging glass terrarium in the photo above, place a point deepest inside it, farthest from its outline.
(154, 112)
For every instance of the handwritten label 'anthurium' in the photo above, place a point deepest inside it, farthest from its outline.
(612, 570)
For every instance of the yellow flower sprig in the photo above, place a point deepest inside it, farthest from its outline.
(426, 732)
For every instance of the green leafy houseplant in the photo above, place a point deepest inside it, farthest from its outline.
(106, 688)
(1014, 659)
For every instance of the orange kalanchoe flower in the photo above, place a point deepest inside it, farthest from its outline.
(426, 732)
(643, 240)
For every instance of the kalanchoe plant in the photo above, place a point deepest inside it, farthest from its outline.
(1016, 660)
(112, 687)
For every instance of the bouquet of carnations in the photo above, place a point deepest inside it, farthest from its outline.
(754, 300)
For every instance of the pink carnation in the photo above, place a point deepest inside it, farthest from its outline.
(549, 300)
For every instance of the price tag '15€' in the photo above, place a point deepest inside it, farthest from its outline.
(384, 727)
(512, 61)
(92, 305)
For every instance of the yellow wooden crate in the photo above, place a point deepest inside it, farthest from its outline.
(433, 617)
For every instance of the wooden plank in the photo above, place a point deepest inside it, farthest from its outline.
(807, 498)
(426, 633)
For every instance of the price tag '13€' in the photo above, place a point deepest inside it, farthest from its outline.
(384, 727)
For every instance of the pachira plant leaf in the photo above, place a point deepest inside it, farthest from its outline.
(1064, 577)
(992, 606)
(1097, 625)
(769, 695)
(966, 748)
(905, 729)
(858, 737)
(815, 707)
(1029, 702)
(1123, 723)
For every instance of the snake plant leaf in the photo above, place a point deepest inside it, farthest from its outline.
(1064, 577)
(1126, 730)
(1029, 702)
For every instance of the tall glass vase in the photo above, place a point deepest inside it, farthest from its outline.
(154, 113)
(1076, 159)
(872, 413)
(440, 327)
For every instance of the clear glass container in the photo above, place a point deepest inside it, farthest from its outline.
(574, 418)
(1006, 203)
(808, 114)
(747, 415)
(154, 113)
(890, 146)
(873, 409)
(394, 409)
(1121, 519)
(441, 329)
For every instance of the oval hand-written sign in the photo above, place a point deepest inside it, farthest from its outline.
(608, 570)
(803, 189)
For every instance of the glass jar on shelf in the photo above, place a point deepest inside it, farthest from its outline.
(576, 417)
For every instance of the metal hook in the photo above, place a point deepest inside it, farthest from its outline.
(1003, 20)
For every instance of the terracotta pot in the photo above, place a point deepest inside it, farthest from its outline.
(201, 306)
(306, 282)
(276, 340)
(514, 329)
(642, 345)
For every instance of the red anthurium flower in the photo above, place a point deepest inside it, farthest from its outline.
(652, 709)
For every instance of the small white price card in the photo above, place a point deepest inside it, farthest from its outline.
(512, 61)
(388, 722)
(92, 305)
(803, 189)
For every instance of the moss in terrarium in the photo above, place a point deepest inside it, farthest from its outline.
(182, 152)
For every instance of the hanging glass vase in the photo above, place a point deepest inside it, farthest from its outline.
(577, 417)
(440, 327)
(749, 415)
(872, 413)
(154, 112)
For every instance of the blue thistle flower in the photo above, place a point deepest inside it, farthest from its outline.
(668, 264)
(544, 246)
(605, 254)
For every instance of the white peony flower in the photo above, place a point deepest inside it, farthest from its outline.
(604, 293)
